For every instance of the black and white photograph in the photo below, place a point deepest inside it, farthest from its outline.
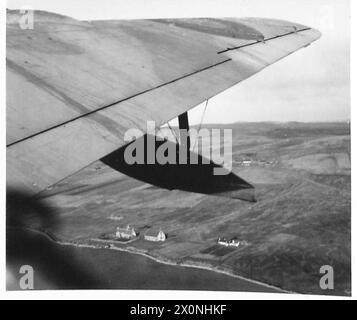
(178, 147)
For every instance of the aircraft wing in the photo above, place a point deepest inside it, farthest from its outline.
(74, 87)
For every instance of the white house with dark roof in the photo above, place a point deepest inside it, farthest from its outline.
(155, 235)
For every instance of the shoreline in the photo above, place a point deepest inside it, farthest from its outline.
(133, 250)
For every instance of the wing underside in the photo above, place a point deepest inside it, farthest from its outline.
(74, 88)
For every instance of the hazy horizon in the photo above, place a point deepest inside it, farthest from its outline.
(268, 122)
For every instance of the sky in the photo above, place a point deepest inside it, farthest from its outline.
(311, 85)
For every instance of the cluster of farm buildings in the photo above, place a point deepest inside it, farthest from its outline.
(152, 234)
(251, 159)
(234, 242)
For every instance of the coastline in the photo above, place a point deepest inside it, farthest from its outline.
(135, 251)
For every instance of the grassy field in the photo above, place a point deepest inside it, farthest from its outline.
(301, 219)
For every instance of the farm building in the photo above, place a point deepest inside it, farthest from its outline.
(155, 234)
(246, 163)
(222, 241)
(234, 242)
(125, 233)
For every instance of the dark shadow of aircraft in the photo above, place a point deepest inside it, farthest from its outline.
(198, 177)
(59, 269)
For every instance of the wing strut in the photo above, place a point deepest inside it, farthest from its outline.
(203, 115)
(173, 132)
(184, 131)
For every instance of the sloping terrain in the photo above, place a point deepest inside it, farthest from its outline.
(300, 222)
